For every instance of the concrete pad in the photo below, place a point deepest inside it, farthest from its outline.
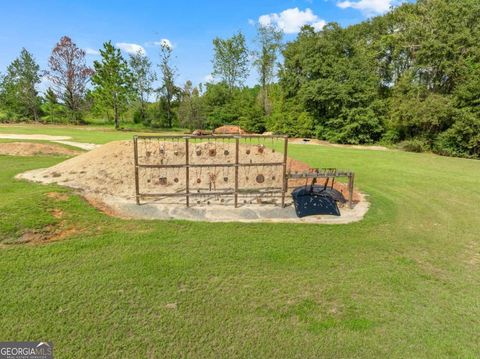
(250, 213)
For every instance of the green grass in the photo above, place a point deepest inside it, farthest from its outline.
(91, 134)
(404, 282)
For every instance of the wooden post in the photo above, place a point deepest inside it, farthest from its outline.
(135, 156)
(350, 189)
(284, 171)
(237, 149)
(187, 172)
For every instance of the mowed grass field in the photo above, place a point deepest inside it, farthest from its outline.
(89, 134)
(402, 283)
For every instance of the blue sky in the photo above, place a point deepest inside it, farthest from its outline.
(189, 25)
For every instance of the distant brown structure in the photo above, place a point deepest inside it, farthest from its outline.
(201, 133)
(229, 130)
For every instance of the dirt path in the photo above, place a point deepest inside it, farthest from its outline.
(82, 145)
(58, 139)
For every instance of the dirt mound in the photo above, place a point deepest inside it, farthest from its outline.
(109, 169)
(106, 178)
(229, 130)
(33, 149)
(201, 133)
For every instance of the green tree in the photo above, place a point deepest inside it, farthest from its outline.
(112, 82)
(236, 107)
(190, 110)
(18, 87)
(333, 75)
(168, 91)
(269, 42)
(51, 103)
(230, 61)
(462, 139)
(143, 78)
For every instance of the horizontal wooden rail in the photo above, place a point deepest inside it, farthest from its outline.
(324, 173)
(210, 193)
(192, 165)
(180, 137)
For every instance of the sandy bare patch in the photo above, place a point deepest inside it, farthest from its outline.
(57, 196)
(83, 145)
(105, 176)
(14, 136)
(57, 139)
(50, 233)
(33, 149)
(57, 213)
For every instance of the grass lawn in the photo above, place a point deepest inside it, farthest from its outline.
(91, 134)
(402, 283)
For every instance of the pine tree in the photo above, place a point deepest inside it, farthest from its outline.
(112, 81)
(143, 78)
(269, 41)
(168, 92)
(19, 93)
(51, 102)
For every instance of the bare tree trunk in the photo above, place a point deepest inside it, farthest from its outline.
(169, 117)
(115, 109)
(35, 114)
(143, 110)
(264, 96)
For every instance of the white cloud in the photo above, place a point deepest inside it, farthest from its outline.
(290, 21)
(369, 7)
(164, 42)
(319, 25)
(251, 22)
(208, 78)
(93, 52)
(130, 48)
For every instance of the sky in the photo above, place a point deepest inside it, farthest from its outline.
(189, 26)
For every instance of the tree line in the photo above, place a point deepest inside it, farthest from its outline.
(124, 88)
(410, 77)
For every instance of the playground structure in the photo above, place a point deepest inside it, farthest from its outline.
(222, 169)
(260, 179)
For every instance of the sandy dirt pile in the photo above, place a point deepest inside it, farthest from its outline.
(109, 169)
(32, 149)
(229, 130)
(105, 170)
(105, 176)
